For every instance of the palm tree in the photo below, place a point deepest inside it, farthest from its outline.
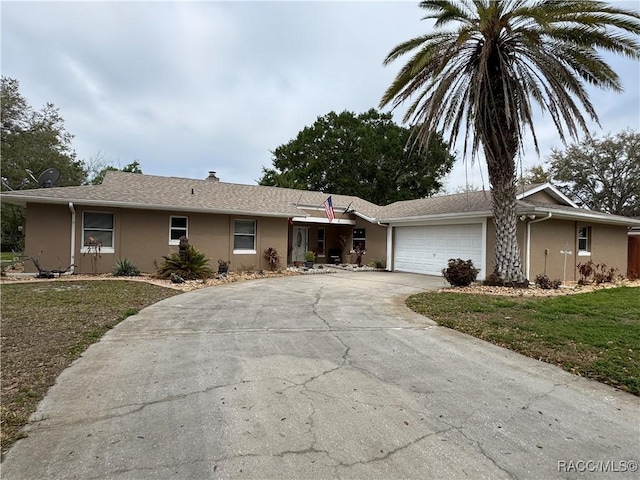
(485, 74)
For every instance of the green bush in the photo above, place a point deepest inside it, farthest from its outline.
(125, 268)
(376, 264)
(460, 273)
(190, 264)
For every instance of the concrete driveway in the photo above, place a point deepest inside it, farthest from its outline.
(324, 376)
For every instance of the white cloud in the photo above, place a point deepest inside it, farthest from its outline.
(189, 87)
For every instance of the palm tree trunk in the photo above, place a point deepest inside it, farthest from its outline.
(500, 142)
(507, 263)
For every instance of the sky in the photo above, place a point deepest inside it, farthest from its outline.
(189, 87)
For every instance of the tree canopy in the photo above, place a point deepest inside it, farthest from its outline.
(601, 173)
(31, 141)
(34, 140)
(365, 155)
(485, 67)
(98, 166)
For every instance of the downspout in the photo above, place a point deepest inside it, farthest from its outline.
(549, 215)
(389, 246)
(73, 239)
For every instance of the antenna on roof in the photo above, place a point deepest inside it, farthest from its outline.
(49, 177)
(31, 175)
(5, 183)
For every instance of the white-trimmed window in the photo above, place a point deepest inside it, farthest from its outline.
(244, 237)
(178, 227)
(359, 238)
(97, 230)
(584, 240)
(321, 242)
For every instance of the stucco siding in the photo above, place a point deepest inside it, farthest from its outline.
(552, 236)
(142, 236)
(608, 246)
(376, 242)
(542, 197)
(48, 234)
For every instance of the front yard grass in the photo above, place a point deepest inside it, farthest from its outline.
(595, 335)
(47, 325)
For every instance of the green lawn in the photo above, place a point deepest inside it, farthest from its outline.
(6, 258)
(46, 325)
(595, 335)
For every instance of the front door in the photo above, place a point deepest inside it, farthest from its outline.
(300, 243)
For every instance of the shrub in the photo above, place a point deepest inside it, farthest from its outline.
(543, 281)
(595, 273)
(189, 264)
(586, 271)
(494, 280)
(460, 273)
(125, 268)
(376, 264)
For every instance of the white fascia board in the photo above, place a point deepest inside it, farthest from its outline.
(442, 219)
(147, 206)
(341, 211)
(325, 221)
(554, 192)
(364, 217)
(581, 214)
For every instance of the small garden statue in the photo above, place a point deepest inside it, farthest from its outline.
(183, 246)
(272, 257)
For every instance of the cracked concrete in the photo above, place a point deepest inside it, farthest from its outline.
(315, 377)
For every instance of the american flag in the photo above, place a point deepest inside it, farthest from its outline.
(328, 208)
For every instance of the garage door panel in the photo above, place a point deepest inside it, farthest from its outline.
(427, 249)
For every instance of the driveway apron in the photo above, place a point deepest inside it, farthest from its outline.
(318, 376)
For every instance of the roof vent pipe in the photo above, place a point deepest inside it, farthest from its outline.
(212, 177)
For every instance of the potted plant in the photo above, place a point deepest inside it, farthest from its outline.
(309, 259)
(359, 251)
(223, 266)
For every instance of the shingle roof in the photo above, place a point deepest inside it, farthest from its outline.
(447, 204)
(135, 190)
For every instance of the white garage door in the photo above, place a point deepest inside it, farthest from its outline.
(427, 249)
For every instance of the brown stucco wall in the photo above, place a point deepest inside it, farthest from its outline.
(608, 246)
(376, 242)
(143, 237)
(48, 234)
(542, 197)
(554, 236)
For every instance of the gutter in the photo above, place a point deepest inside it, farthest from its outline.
(549, 215)
(73, 239)
(23, 200)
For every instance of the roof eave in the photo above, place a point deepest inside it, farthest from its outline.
(582, 214)
(23, 200)
(439, 217)
(554, 192)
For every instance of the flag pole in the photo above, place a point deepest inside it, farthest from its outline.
(346, 209)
